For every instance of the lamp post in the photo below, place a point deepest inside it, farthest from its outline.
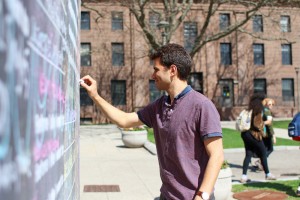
(297, 69)
(162, 25)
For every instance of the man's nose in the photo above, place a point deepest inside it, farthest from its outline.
(153, 75)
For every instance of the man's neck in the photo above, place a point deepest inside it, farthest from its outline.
(176, 89)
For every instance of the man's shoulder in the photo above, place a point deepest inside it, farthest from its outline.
(200, 98)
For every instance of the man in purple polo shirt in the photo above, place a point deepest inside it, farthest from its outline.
(186, 127)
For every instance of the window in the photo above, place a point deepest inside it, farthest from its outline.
(85, 21)
(285, 24)
(116, 21)
(154, 93)
(154, 19)
(195, 80)
(118, 92)
(85, 100)
(224, 21)
(85, 54)
(226, 54)
(190, 33)
(257, 23)
(286, 54)
(260, 86)
(258, 54)
(117, 54)
(287, 89)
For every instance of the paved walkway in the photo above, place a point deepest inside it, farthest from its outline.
(105, 161)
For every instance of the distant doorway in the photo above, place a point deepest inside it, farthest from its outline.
(195, 80)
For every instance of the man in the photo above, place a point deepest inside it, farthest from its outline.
(186, 127)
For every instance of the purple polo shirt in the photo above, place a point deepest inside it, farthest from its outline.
(179, 131)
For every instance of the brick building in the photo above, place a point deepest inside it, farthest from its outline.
(228, 71)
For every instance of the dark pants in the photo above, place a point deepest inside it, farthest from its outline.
(254, 146)
(268, 142)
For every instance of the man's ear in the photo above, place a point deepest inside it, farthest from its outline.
(173, 70)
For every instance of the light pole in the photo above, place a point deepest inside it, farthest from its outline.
(297, 69)
(162, 25)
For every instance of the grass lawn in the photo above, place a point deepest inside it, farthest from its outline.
(232, 139)
(281, 124)
(150, 135)
(289, 187)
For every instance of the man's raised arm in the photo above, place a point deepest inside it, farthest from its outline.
(117, 116)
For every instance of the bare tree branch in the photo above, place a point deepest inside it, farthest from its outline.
(176, 11)
(201, 40)
(98, 12)
(265, 38)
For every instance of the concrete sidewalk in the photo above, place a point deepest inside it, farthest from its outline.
(105, 161)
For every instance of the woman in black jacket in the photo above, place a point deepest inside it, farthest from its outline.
(253, 138)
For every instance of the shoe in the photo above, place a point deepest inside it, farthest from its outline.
(270, 177)
(245, 180)
(298, 193)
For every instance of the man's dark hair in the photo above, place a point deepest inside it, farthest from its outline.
(174, 54)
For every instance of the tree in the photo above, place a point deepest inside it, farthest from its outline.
(174, 12)
(178, 13)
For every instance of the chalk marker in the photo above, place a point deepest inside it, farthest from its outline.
(81, 81)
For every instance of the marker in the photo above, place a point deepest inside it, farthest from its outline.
(81, 81)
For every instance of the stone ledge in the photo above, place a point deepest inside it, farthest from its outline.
(150, 147)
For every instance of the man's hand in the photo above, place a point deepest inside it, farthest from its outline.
(90, 85)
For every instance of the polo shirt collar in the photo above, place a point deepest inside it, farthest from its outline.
(181, 94)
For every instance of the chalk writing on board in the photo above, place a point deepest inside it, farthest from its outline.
(39, 101)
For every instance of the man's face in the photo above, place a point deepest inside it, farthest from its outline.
(161, 75)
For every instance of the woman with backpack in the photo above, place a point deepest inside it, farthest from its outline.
(253, 138)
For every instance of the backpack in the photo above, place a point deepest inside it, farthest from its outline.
(243, 121)
(294, 127)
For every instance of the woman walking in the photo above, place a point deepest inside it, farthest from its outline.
(253, 138)
(270, 138)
